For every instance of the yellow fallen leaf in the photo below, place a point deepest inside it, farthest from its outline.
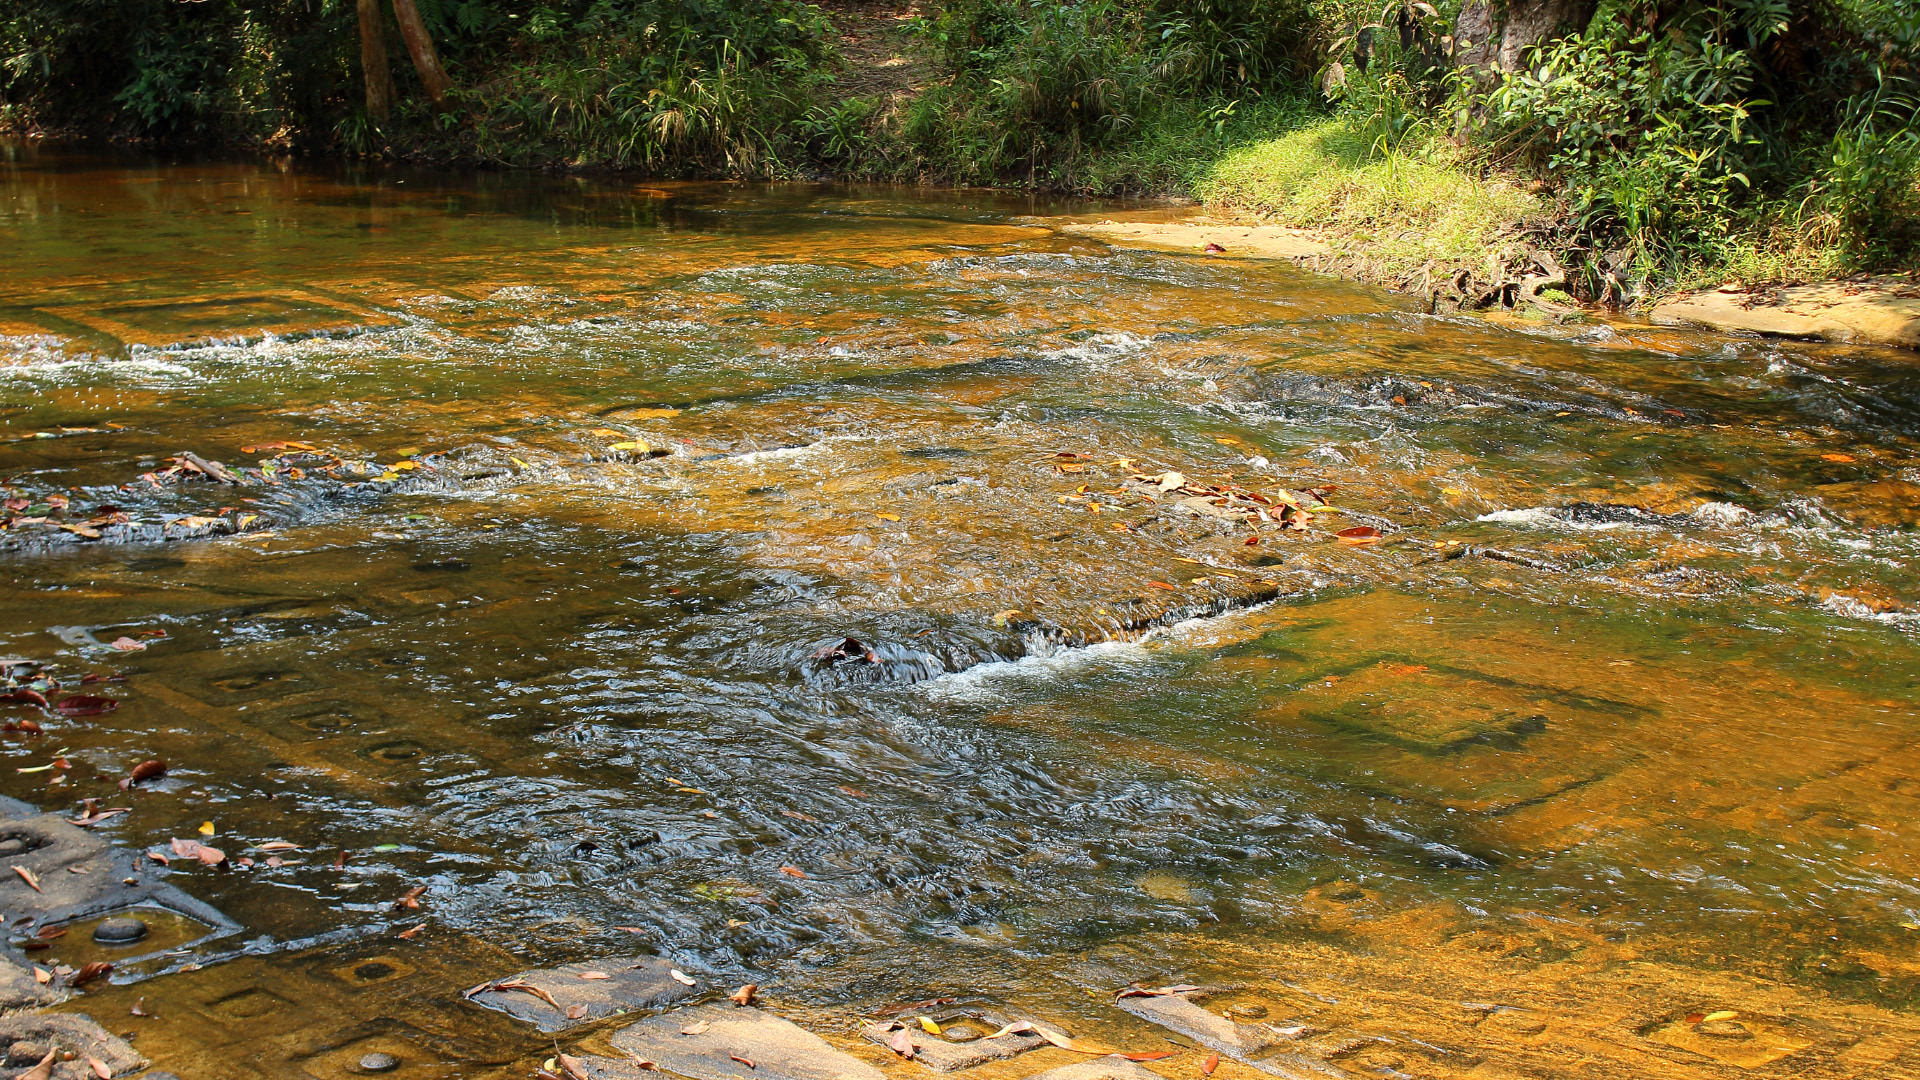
(1723, 1014)
(886, 517)
(606, 433)
(650, 414)
(206, 828)
(520, 463)
(402, 466)
(637, 445)
(1451, 491)
(927, 1025)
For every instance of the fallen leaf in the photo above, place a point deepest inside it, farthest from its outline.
(186, 849)
(146, 770)
(85, 705)
(42, 975)
(211, 856)
(127, 644)
(699, 1028)
(1148, 1055)
(1212, 1063)
(901, 1043)
(44, 1070)
(741, 1060)
(927, 1025)
(793, 871)
(27, 876)
(527, 987)
(1214, 249)
(1836, 457)
(413, 932)
(1063, 1042)
(1169, 480)
(855, 792)
(632, 929)
(591, 975)
(340, 860)
(797, 816)
(1722, 1014)
(682, 977)
(637, 445)
(412, 898)
(89, 972)
(140, 1008)
(743, 996)
(32, 697)
(1153, 991)
(99, 1068)
(278, 845)
(1694, 1018)
(1164, 585)
(639, 1062)
(574, 1067)
(1359, 535)
(157, 857)
(1018, 1027)
(206, 828)
(886, 517)
(575, 1012)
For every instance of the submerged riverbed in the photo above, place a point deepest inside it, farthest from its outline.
(567, 495)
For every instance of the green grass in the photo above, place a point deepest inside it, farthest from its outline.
(1402, 207)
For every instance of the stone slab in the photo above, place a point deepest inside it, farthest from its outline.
(942, 1055)
(634, 983)
(779, 1049)
(1261, 1046)
(26, 1039)
(1106, 1068)
(1877, 312)
(19, 989)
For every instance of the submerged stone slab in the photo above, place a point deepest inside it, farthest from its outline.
(705, 1043)
(1884, 311)
(1110, 1067)
(26, 1040)
(944, 1055)
(1261, 1046)
(632, 983)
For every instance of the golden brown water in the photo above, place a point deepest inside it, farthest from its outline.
(1616, 726)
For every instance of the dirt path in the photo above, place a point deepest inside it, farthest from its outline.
(880, 57)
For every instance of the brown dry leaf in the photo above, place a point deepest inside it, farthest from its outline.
(1836, 457)
(793, 871)
(1018, 1027)
(901, 1043)
(157, 857)
(140, 1008)
(1154, 991)
(279, 845)
(640, 1062)
(186, 849)
(340, 860)
(99, 1068)
(44, 1070)
(523, 985)
(573, 1067)
(127, 644)
(855, 792)
(798, 816)
(27, 876)
(146, 770)
(412, 898)
(575, 1012)
(1212, 1063)
(42, 975)
(1163, 585)
(595, 975)
(1359, 535)
(744, 1061)
(89, 972)
(698, 1028)
(211, 856)
(412, 933)
(743, 996)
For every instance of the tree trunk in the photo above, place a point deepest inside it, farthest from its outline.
(1495, 42)
(413, 31)
(373, 60)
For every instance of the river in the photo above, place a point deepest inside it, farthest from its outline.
(788, 580)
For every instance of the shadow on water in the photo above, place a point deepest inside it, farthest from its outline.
(782, 580)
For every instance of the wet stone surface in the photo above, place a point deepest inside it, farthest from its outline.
(120, 931)
(959, 1046)
(27, 1039)
(707, 1042)
(585, 992)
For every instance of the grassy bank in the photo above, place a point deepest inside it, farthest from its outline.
(1641, 147)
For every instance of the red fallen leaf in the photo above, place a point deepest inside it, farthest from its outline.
(340, 861)
(1148, 1055)
(127, 644)
(412, 898)
(186, 849)
(89, 973)
(99, 1068)
(902, 1043)
(743, 996)
(85, 705)
(152, 633)
(741, 1060)
(146, 770)
(1212, 1063)
(793, 871)
(413, 932)
(1359, 535)
(157, 857)
(29, 725)
(1251, 540)
(639, 1062)
(211, 856)
(1163, 585)
(575, 1012)
(48, 933)
(1694, 1018)
(27, 876)
(30, 696)
(1214, 249)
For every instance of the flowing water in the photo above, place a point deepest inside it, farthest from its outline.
(1614, 726)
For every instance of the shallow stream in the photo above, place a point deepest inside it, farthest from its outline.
(547, 608)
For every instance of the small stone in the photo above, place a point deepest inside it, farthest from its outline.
(379, 1063)
(960, 1033)
(1724, 1029)
(1248, 1012)
(124, 931)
